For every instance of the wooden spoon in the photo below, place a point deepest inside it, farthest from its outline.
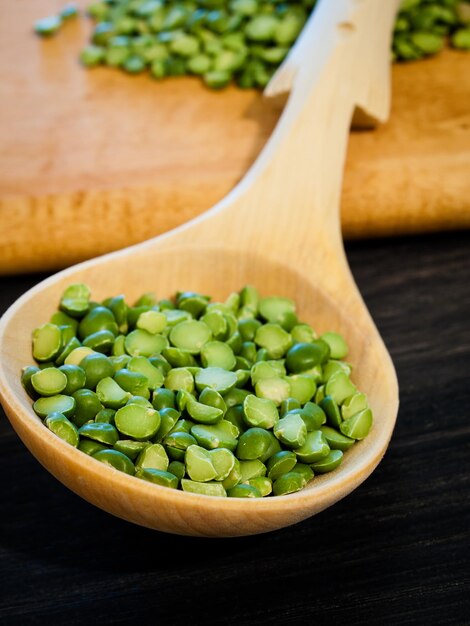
(278, 230)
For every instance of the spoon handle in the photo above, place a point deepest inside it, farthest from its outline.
(289, 199)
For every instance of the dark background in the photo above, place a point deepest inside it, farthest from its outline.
(395, 551)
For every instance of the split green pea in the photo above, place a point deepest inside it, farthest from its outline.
(214, 398)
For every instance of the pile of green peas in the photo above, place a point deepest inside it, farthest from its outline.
(244, 40)
(236, 398)
(423, 27)
(237, 40)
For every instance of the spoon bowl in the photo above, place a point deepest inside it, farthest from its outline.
(278, 230)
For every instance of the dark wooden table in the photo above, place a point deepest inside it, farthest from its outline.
(393, 552)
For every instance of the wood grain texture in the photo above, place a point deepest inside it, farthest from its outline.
(91, 161)
(231, 246)
(393, 552)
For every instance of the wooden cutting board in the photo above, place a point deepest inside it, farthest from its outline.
(92, 161)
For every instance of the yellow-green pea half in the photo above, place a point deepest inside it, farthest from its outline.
(168, 419)
(223, 461)
(158, 477)
(213, 398)
(288, 483)
(152, 321)
(90, 447)
(101, 341)
(340, 387)
(332, 412)
(49, 381)
(76, 356)
(289, 404)
(217, 354)
(244, 491)
(358, 425)
(336, 440)
(234, 477)
(142, 365)
(190, 335)
(305, 470)
(274, 339)
(302, 387)
(163, 399)
(178, 358)
(274, 308)
(98, 318)
(203, 413)
(206, 489)
(280, 463)
(110, 394)
(130, 447)
(338, 346)
(260, 412)
(142, 343)
(96, 367)
(182, 426)
(177, 443)
(87, 405)
(178, 469)
(314, 448)
(115, 459)
(291, 430)
(303, 356)
(312, 415)
(199, 465)
(275, 389)
(254, 443)
(329, 463)
(133, 382)
(63, 428)
(101, 431)
(355, 403)
(137, 422)
(55, 404)
(303, 333)
(216, 378)
(332, 366)
(47, 342)
(221, 435)
(263, 484)
(153, 456)
(76, 378)
(234, 415)
(26, 375)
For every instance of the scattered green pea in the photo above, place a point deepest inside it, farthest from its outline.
(48, 26)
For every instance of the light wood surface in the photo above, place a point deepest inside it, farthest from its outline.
(92, 161)
(297, 252)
